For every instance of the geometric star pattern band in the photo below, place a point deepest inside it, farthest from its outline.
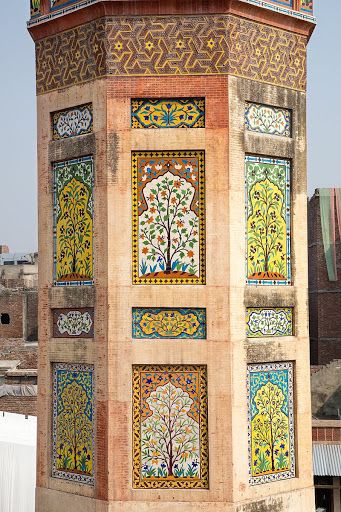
(168, 45)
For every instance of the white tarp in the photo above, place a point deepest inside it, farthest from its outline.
(18, 390)
(17, 462)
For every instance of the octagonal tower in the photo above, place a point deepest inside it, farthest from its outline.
(174, 352)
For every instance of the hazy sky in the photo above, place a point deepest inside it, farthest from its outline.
(18, 224)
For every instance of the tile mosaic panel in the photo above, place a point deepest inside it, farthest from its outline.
(185, 323)
(73, 323)
(73, 422)
(268, 254)
(268, 120)
(306, 6)
(271, 422)
(262, 322)
(287, 3)
(168, 113)
(73, 222)
(55, 4)
(172, 45)
(72, 122)
(168, 217)
(35, 7)
(170, 437)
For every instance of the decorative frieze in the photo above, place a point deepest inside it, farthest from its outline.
(168, 113)
(179, 46)
(262, 322)
(72, 122)
(268, 120)
(185, 323)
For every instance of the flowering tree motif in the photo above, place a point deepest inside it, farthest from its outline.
(270, 431)
(266, 232)
(170, 436)
(74, 431)
(74, 233)
(169, 227)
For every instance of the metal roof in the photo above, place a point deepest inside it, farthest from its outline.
(327, 459)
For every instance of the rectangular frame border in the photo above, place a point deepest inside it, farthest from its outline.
(288, 167)
(55, 166)
(64, 475)
(136, 279)
(138, 482)
(291, 473)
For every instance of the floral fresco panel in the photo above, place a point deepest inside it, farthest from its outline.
(168, 217)
(73, 422)
(55, 4)
(262, 322)
(35, 7)
(73, 222)
(268, 253)
(271, 422)
(168, 113)
(268, 120)
(73, 323)
(170, 438)
(185, 323)
(287, 3)
(72, 122)
(307, 6)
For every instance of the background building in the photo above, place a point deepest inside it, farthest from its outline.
(173, 275)
(325, 275)
(18, 331)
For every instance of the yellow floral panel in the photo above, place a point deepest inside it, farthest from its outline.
(271, 422)
(267, 183)
(73, 422)
(73, 222)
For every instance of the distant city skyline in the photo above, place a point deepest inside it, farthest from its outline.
(18, 204)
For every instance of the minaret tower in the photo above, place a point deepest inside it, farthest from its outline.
(173, 337)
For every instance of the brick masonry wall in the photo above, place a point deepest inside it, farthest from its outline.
(11, 303)
(19, 405)
(331, 434)
(16, 348)
(324, 295)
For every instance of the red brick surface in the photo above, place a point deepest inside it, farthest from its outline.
(324, 295)
(19, 405)
(331, 434)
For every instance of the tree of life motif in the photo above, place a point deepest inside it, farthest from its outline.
(169, 227)
(270, 431)
(74, 431)
(170, 436)
(266, 232)
(74, 233)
